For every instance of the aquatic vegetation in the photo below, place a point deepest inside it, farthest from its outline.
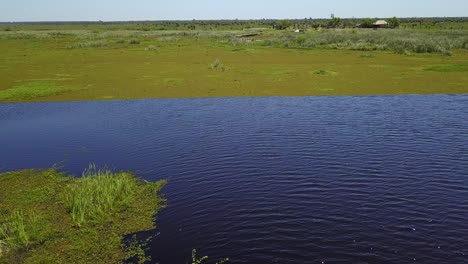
(200, 260)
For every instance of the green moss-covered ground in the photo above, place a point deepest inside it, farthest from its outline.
(37, 223)
(81, 65)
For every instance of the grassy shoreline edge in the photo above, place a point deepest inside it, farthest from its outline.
(49, 217)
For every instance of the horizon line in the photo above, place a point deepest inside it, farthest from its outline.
(213, 19)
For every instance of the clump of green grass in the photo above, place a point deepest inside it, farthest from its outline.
(88, 44)
(134, 42)
(19, 230)
(325, 73)
(217, 65)
(98, 194)
(120, 41)
(33, 90)
(447, 68)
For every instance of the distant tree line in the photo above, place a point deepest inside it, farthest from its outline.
(333, 22)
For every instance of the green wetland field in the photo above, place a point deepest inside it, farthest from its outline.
(47, 216)
(113, 62)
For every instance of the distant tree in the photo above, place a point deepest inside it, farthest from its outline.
(394, 22)
(282, 24)
(335, 22)
(367, 23)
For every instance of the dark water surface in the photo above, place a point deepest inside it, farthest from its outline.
(274, 180)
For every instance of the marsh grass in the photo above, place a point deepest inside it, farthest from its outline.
(98, 194)
(135, 251)
(325, 73)
(88, 44)
(31, 90)
(217, 65)
(447, 68)
(19, 230)
(400, 41)
(201, 260)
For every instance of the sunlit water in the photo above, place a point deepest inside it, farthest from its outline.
(274, 180)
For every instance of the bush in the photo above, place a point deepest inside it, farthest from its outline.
(282, 25)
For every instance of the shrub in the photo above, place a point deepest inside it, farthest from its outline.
(282, 25)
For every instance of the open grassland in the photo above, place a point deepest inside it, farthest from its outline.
(83, 64)
(48, 217)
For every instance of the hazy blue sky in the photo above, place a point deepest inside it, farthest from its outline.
(72, 10)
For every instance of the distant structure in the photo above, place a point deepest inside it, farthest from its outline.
(299, 30)
(380, 24)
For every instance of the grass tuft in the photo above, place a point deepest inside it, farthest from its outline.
(98, 194)
(325, 73)
(151, 48)
(217, 65)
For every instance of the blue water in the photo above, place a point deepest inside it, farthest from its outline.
(378, 179)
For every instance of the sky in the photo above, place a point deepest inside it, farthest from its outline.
(124, 10)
